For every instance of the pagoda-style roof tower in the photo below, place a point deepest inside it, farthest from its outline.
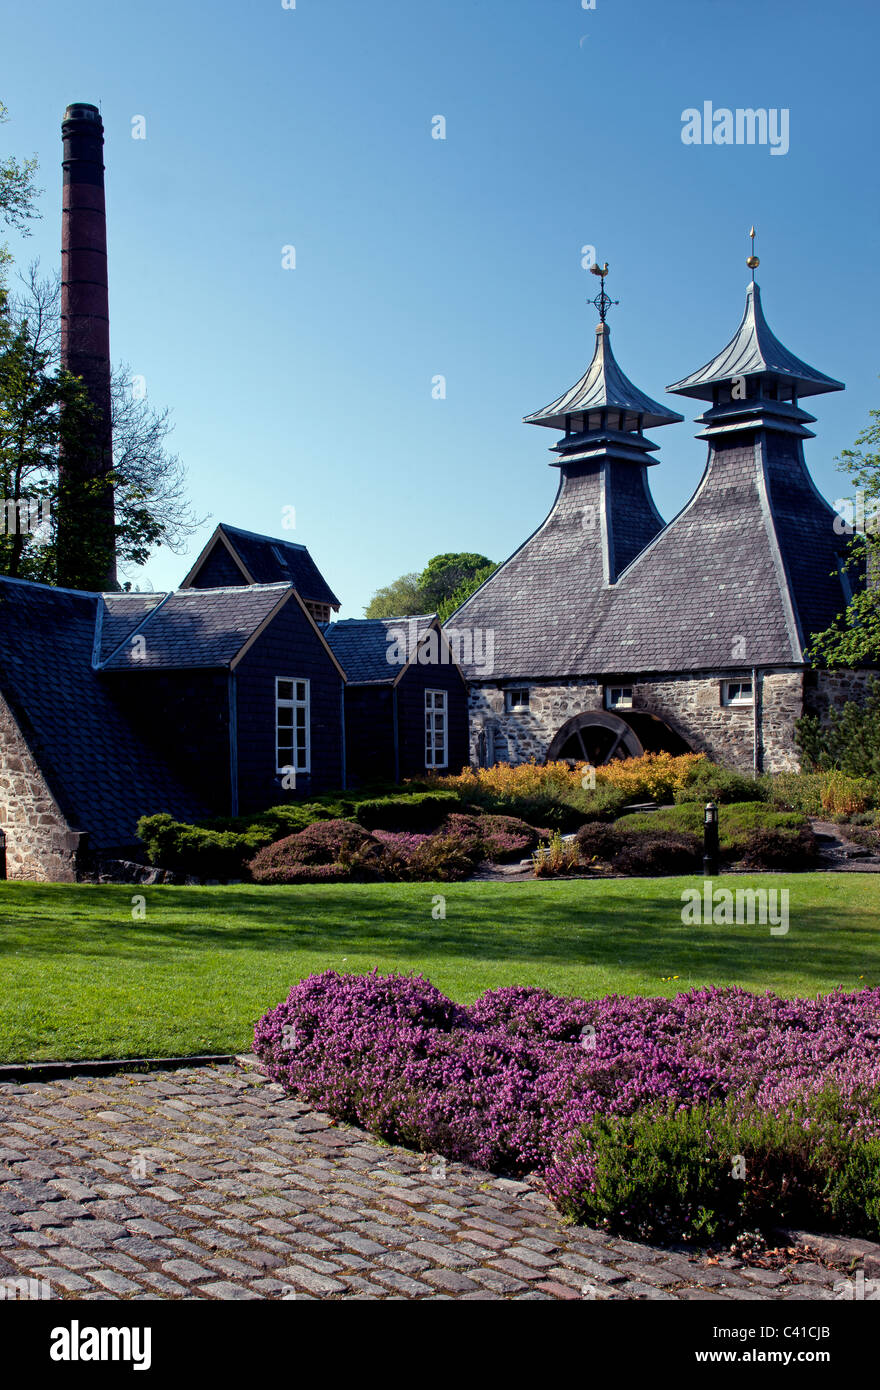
(604, 513)
(742, 578)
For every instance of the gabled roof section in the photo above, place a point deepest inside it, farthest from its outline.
(118, 615)
(102, 772)
(196, 628)
(754, 349)
(267, 560)
(603, 385)
(368, 649)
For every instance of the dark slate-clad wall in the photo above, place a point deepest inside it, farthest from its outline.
(183, 715)
(369, 734)
(411, 716)
(219, 571)
(289, 647)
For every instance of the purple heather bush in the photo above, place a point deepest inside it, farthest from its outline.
(521, 1080)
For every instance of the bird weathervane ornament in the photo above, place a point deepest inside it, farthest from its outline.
(752, 261)
(602, 302)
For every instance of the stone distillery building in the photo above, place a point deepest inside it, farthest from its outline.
(616, 634)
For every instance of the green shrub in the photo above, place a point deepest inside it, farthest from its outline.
(444, 859)
(557, 857)
(415, 812)
(599, 840)
(795, 791)
(651, 854)
(850, 742)
(735, 822)
(780, 850)
(712, 1171)
(708, 782)
(195, 851)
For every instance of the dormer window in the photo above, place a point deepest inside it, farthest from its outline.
(319, 611)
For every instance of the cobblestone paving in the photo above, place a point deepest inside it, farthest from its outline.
(209, 1183)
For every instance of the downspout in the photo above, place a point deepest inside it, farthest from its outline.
(394, 727)
(342, 733)
(233, 744)
(755, 740)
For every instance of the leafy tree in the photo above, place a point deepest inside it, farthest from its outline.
(443, 585)
(18, 194)
(401, 599)
(464, 591)
(853, 639)
(851, 740)
(445, 574)
(42, 409)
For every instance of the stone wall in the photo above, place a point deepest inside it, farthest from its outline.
(690, 705)
(39, 842)
(833, 689)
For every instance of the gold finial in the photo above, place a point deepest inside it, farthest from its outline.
(752, 261)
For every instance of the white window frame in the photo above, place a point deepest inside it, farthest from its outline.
(300, 758)
(737, 701)
(624, 702)
(432, 711)
(510, 704)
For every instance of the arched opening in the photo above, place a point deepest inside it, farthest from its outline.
(599, 737)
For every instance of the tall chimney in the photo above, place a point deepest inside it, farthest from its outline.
(86, 539)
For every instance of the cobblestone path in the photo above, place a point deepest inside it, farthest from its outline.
(209, 1183)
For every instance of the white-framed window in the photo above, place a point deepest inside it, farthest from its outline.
(292, 743)
(516, 698)
(436, 728)
(618, 697)
(737, 693)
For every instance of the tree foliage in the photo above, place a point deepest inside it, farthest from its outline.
(443, 585)
(43, 408)
(853, 639)
(18, 194)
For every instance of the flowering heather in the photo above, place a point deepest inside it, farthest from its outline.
(402, 842)
(509, 1082)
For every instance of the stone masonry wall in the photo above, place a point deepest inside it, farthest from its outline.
(689, 704)
(39, 842)
(833, 689)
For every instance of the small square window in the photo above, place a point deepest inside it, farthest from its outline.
(517, 698)
(618, 697)
(737, 693)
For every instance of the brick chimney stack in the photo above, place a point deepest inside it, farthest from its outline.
(86, 541)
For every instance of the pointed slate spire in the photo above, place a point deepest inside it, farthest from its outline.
(754, 350)
(603, 387)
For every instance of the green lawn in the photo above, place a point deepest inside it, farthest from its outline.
(80, 978)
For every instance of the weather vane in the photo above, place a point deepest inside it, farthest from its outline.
(602, 301)
(752, 261)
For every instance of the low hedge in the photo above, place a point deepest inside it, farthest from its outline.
(198, 852)
(709, 1172)
(416, 811)
(736, 821)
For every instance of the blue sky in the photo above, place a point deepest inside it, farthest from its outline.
(311, 127)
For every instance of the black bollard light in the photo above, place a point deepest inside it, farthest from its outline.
(2, 854)
(710, 840)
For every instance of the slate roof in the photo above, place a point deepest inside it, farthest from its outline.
(271, 561)
(754, 348)
(195, 628)
(361, 645)
(101, 771)
(743, 576)
(603, 384)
